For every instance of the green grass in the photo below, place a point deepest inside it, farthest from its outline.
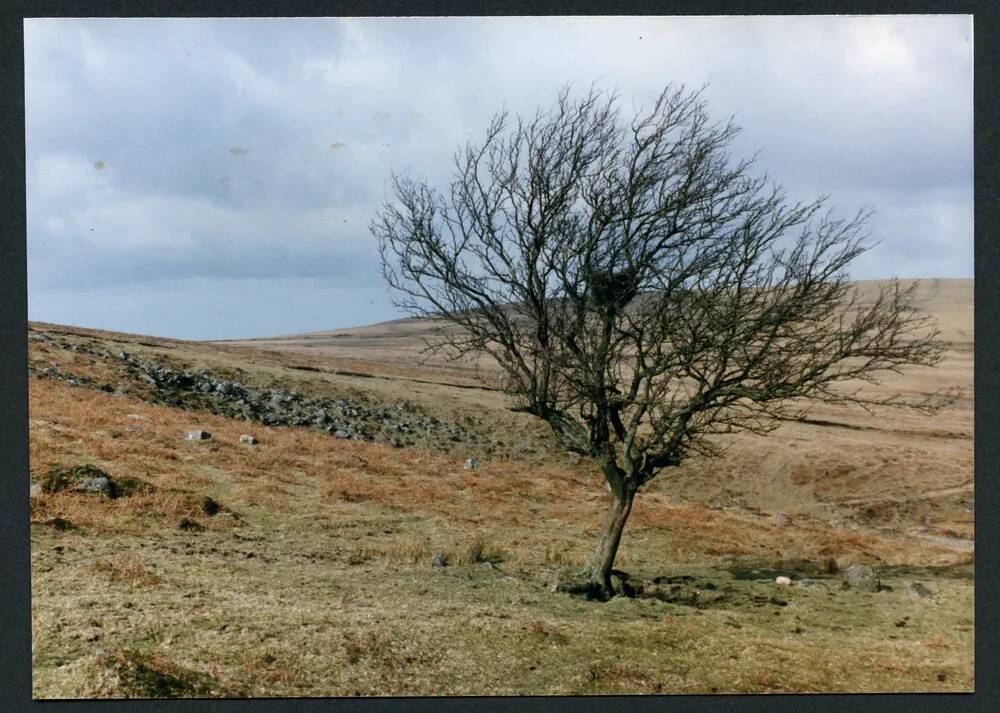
(282, 611)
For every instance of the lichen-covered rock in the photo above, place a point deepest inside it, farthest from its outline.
(862, 578)
(101, 485)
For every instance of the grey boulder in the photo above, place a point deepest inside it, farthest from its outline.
(861, 577)
(99, 484)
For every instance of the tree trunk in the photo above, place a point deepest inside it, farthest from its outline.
(607, 546)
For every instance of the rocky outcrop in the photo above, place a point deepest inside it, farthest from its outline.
(398, 424)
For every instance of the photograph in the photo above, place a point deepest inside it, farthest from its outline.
(500, 356)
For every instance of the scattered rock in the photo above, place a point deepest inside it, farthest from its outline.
(137, 417)
(439, 560)
(811, 583)
(471, 464)
(197, 435)
(861, 577)
(782, 581)
(190, 525)
(675, 500)
(674, 593)
(248, 439)
(782, 520)
(920, 591)
(34, 489)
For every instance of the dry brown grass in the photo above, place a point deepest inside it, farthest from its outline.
(127, 568)
(324, 586)
(289, 465)
(134, 513)
(127, 673)
(407, 551)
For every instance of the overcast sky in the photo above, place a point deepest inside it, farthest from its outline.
(215, 178)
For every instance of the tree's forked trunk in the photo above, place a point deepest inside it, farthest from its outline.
(607, 546)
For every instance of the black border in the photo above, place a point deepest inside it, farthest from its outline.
(15, 592)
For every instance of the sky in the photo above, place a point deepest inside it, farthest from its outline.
(213, 179)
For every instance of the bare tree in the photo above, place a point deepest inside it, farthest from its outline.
(641, 290)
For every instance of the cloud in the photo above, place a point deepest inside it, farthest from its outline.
(234, 164)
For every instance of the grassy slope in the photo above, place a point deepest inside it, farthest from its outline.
(323, 586)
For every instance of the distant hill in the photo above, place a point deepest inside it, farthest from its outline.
(950, 301)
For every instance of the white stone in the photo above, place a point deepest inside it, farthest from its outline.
(782, 581)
